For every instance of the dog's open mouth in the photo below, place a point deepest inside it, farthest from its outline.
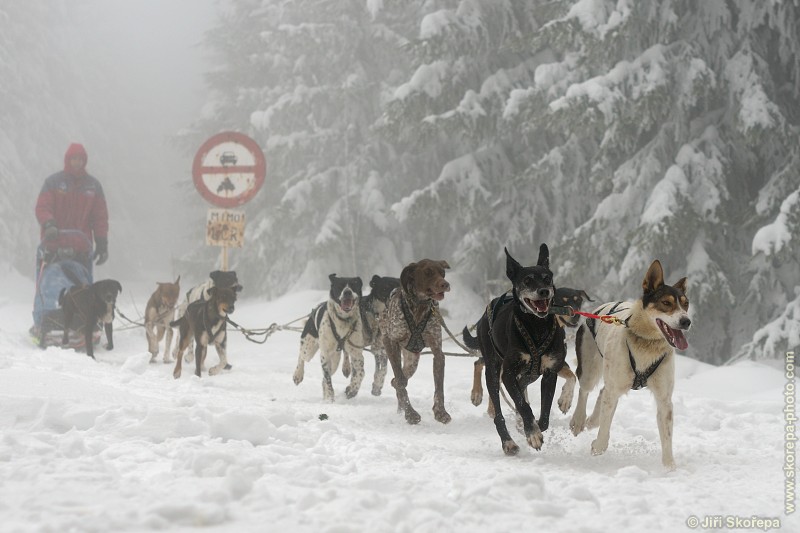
(675, 337)
(347, 304)
(537, 307)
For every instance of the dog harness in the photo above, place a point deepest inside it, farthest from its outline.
(415, 343)
(341, 340)
(536, 353)
(639, 378)
(210, 329)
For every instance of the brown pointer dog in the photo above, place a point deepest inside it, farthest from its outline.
(90, 304)
(205, 321)
(521, 341)
(408, 325)
(158, 313)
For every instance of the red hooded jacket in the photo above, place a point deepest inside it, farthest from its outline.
(73, 199)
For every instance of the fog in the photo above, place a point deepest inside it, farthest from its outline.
(150, 54)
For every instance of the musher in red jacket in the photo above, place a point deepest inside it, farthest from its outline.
(73, 199)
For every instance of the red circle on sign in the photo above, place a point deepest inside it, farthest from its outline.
(227, 148)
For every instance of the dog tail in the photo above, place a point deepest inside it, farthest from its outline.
(178, 322)
(470, 341)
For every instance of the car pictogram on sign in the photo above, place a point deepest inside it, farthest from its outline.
(228, 158)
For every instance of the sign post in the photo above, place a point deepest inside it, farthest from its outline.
(228, 171)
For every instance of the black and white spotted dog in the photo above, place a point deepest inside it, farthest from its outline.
(371, 306)
(333, 329)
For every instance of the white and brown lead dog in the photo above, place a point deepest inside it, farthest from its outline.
(632, 355)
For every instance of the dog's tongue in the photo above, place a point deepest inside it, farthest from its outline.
(674, 336)
(680, 339)
(541, 306)
(347, 304)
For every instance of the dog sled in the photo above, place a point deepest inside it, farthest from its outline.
(61, 263)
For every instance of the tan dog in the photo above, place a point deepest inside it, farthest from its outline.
(636, 354)
(158, 314)
(409, 324)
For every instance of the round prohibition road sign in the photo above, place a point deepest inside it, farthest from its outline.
(229, 169)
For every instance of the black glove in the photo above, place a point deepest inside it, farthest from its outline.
(101, 250)
(50, 230)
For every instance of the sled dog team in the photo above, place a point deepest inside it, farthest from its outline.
(520, 338)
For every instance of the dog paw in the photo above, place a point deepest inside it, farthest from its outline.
(376, 390)
(214, 370)
(152, 358)
(176, 374)
(412, 417)
(535, 439)
(564, 403)
(109, 346)
(350, 392)
(167, 360)
(298, 377)
(575, 426)
(598, 448)
(510, 447)
(592, 422)
(442, 416)
(189, 357)
(476, 398)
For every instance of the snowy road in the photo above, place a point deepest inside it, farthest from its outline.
(119, 445)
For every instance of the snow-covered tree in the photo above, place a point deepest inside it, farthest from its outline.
(616, 131)
(307, 79)
(639, 130)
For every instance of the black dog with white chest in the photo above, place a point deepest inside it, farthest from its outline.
(204, 322)
(84, 306)
(520, 341)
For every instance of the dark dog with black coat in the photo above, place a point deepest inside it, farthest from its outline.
(411, 322)
(86, 305)
(564, 297)
(205, 322)
(217, 278)
(520, 341)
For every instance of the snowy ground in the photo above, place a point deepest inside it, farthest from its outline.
(119, 445)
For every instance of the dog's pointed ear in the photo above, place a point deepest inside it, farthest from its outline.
(118, 286)
(544, 256)
(375, 279)
(512, 266)
(444, 265)
(358, 285)
(585, 296)
(407, 278)
(215, 275)
(681, 285)
(332, 277)
(178, 281)
(654, 277)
